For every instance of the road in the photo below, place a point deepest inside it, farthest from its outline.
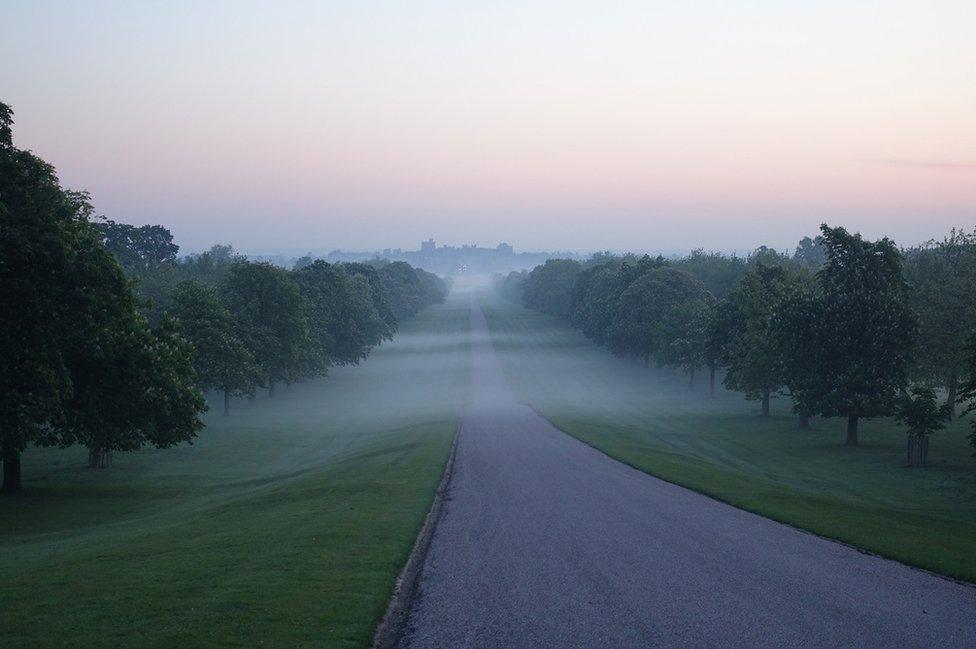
(546, 542)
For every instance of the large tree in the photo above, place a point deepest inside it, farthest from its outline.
(942, 276)
(335, 315)
(374, 312)
(42, 228)
(70, 330)
(549, 288)
(967, 394)
(141, 247)
(598, 289)
(685, 341)
(131, 386)
(222, 360)
(268, 308)
(854, 334)
(645, 309)
(752, 355)
(719, 273)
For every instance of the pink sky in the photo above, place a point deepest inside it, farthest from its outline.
(649, 126)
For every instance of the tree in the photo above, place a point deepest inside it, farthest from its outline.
(549, 288)
(374, 313)
(942, 276)
(210, 267)
(719, 273)
(76, 358)
(511, 286)
(644, 309)
(403, 288)
(131, 386)
(810, 253)
(138, 248)
(222, 361)
(919, 411)
(598, 289)
(686, 329)
(41, 229)
(856, 329)
(967, 395)
(794, 328)
(754, 363)
(268, 308)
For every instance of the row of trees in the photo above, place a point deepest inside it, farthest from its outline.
(844, 326)
(107, 339)
(256, 325)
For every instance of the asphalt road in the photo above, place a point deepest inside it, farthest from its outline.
(545, 542)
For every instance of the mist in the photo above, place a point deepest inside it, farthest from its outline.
(476, 325)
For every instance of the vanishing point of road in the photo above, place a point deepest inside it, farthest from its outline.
(546, 542)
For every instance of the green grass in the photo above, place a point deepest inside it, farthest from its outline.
(723, 447)
(283, 525)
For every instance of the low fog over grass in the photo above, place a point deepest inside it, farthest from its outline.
(283, 524)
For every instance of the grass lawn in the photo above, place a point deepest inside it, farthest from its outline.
(650, 419)
(283, 525)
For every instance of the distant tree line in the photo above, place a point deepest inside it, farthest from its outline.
(843, 327)
(108, 339)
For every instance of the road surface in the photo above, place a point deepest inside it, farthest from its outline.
(546, 542)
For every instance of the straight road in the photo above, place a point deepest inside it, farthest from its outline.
(546, 542)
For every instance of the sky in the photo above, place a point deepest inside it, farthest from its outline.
(652, 126)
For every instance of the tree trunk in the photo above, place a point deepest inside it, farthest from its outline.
(803, 421)
(226, 403)
(99, 458)
(251, 398)
(647, 359)
(691, 379)
(852, 430)
(918, 450)
(765, 402)
(951, 386)
(711, 381)
(271, 389)
(11, 471)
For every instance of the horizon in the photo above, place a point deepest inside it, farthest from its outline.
(657, 128)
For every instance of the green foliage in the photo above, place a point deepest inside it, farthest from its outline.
(942, 275)
(79, 363)
(685, 334)
(751, 352)
(847, 344)
(511, 286)
(866, 330)
(138, 248)
(598, 289)
(42, 231)
(918, 410)
(222, 360)
(410, 289)
(810, 253)
(549, 288)
(968, 393)
(719, 273)
(268, 309)
(374, 313)
(643, 326)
